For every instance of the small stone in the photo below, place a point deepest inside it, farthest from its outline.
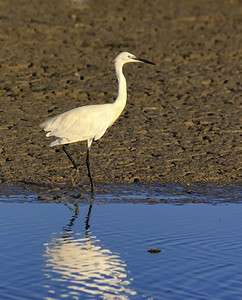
(154, 250)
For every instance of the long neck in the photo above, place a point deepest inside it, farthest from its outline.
(121, 99)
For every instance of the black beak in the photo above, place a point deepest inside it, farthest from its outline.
(144, 60)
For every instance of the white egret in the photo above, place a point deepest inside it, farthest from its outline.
(90, 122)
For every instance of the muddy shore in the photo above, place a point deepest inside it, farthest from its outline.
(181, 123)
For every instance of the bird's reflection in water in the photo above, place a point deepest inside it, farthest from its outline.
(77, 265)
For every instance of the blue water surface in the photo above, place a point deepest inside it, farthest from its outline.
(50, 251)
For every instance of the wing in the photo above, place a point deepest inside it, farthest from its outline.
(82, 123)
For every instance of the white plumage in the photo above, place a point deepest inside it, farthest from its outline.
(79, 124)
(90, 122)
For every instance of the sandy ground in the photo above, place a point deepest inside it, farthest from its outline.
(181, 122)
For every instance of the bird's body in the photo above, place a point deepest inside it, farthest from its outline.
(83, 123)
(90, 122)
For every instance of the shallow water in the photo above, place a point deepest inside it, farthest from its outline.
(50, 251)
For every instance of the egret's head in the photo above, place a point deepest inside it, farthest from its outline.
(126, 57)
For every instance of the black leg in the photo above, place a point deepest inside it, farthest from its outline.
(88, 217)
(88, 169)
(70, 158)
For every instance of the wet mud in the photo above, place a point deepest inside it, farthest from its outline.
(181, 123)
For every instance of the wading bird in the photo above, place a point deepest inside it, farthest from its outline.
(90, 122)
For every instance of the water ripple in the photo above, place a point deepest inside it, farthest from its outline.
(99, 251)
(85, 267)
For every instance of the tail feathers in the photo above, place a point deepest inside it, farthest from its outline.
(61, 141)
(47, 125)
(56, 142)
(43, 124)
